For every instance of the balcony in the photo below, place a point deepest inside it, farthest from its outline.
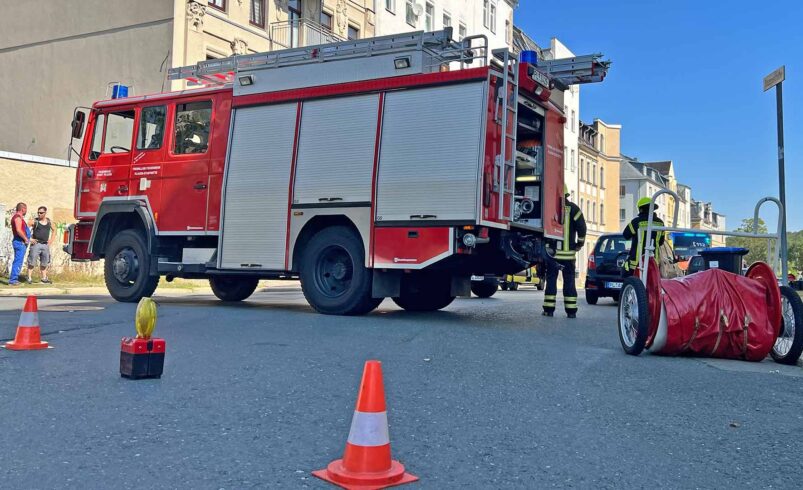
(299, 33)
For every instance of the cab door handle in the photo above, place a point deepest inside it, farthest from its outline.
(199, 186)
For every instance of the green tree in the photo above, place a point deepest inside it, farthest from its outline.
(757, 246)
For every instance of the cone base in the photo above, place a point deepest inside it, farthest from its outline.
(32, 346)
(335, 473)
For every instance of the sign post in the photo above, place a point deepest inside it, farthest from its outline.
(775, 79)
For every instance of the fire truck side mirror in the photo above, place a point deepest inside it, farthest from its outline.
(78, 124)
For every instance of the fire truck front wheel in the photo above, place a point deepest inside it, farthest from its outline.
(334, 278)
(127, 266)
(233, 288)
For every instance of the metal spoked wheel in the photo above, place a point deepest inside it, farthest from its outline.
(789, 344)
(333, 271)
(633, 316)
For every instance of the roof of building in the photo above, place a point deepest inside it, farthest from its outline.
(664, 167)
(523, 42)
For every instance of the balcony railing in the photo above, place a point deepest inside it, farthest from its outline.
(300, 33)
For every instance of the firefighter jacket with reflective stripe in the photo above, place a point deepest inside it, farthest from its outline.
(636, 232)
(574, 232)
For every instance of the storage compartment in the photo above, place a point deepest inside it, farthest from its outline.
(529, 166)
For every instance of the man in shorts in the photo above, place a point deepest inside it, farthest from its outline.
(41, 235)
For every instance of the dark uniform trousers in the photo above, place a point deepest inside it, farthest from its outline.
(569, 288)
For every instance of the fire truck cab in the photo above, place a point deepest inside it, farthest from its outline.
(396, 166)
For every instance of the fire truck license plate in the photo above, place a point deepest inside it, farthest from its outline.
(613, 285)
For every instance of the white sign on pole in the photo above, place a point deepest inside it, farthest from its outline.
(775, 78)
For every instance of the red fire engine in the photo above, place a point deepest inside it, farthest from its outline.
(368, 169)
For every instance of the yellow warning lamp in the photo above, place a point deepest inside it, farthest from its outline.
(145, 319)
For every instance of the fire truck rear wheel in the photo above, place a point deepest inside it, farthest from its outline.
(334, 278)
(233, 288)
(425, 292)
(127, 266)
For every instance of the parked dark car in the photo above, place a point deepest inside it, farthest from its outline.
(606, 268)
(696, 264)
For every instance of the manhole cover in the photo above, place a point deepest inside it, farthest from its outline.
(70, 308)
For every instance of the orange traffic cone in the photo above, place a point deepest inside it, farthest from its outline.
(27, 337)
(366, 463)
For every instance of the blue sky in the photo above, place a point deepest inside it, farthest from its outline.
(686, 86)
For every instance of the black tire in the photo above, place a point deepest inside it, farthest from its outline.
(541, 284)
(634, 296)
(233, 288)
(333, 275)
(591, 297)
(504, 286)
(514, 286)
(789, 345)
(485, 288)
(425, 292)
(127, 266)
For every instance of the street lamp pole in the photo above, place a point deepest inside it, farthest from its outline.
(775, 79)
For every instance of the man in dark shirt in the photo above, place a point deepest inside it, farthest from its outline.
(42, 235)
(22, 235)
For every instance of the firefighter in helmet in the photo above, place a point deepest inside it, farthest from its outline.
(636, 232)
(574, 236)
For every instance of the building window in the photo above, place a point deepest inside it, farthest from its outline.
(588, 171)
(294, 14)
(594, 175)
(492, 20)
(574, 121)
(390, 6)
(566, 111)
(447, 20)
(601, 213)
(430, 17)
(354, 32)
(594, 212)
(572, 198)
(566, 157)
(461, 33)
(485, 12)
(621, 191)
(508, 32)
(622, 215)
(411, 17)
(326, 19)
(602, 143)
(602, 177)
(581, 204)
(258, 13)
(572, 161)
(581, 168)
(218, 4)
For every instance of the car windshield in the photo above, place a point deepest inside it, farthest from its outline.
(613, 244)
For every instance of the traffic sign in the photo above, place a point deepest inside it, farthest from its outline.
(775, 78)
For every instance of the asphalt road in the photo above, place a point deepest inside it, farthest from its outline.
(485, 394)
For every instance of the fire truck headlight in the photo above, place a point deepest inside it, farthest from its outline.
(469, 240)
(246, 80)
(402, 63)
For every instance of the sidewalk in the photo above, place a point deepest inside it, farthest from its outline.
(164, 289)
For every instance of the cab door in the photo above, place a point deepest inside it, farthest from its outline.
(185, 173)
(108, 157)
(148, 156)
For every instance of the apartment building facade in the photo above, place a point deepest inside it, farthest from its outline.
(492, 18)
(597, 184)
(704, 218)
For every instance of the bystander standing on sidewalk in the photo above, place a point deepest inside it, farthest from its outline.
(22, 235)
(41, 235)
